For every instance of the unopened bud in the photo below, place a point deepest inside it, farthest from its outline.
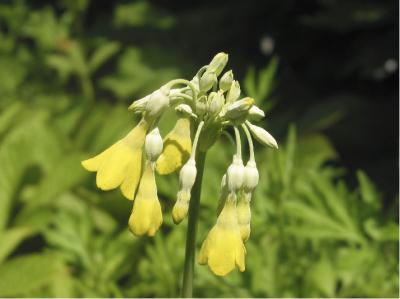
(235, 175)
(153, 145)
(226, 81)
(185, 110)
(233, 93)
(262, 135)
(239, 109)
(207, 81)
(139, 106)
(216, 101)
(157, 103)
(256, 113)
(201, 105)
(187, 175)
(218, 63)
(251, 176)
(181, 206)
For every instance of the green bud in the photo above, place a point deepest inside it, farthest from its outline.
(218, 63)
(226, 81)
(215, 102)
(262, 136)
(234, 92)
(256, 113)
(201, 105)
(207, 81)
(238, 109)
(139, 106)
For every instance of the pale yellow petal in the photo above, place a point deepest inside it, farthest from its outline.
(113, 169)
(146, 217)
(177, 148)
(223, 248)
(120, 164)
(93, 164)
(132, 177)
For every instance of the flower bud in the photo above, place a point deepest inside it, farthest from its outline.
(207, 81)
(153, 145)
(251, 176)
(139, 106)
(218, 63)
(233, 93)
(201, 105)
(235, 175)
(262, 135)
(181, 207)
(226, 81)
(187, 175)
(256, 113)
(185, 110)
(157, 102)
(239, 109)
(215, 102)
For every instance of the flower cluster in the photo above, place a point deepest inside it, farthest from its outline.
(205, 107)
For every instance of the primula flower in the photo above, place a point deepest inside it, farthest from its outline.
(121, 164)
(177, 147)
(223, 248)
(146, 217)
(211, 104)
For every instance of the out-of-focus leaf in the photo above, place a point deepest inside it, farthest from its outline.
(102, 54)
(368, 192)
(11, 238)
(322, 276)
(24, 274)
(261, 89)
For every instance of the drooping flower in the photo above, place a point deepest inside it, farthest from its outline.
(177, 147)
(187, 177)
(121, 164)
(146, 216)
(223, 248)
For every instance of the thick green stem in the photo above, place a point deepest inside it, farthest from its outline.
(194, 206)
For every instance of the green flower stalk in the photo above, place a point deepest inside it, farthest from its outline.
(211, 106)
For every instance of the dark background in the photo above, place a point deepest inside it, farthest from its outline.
(332, 58)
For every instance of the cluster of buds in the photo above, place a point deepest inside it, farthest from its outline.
(205, 106)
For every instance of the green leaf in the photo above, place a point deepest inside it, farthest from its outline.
(367, 189)
(102, 54)
(322, 276)
(11, 238)
(28, 273)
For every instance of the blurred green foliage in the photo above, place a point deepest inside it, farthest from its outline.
(63, 97)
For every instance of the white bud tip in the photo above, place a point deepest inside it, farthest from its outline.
(187, 175)
(235, 175)
(262, 135)
(153, 144)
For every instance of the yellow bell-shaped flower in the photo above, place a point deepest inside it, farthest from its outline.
(146, 217)
(177, 147)
(121, 164)
(223, 248)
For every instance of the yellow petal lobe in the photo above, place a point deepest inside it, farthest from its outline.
(121, 163)
(146, 217)
(223, 248)
(177, 148)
